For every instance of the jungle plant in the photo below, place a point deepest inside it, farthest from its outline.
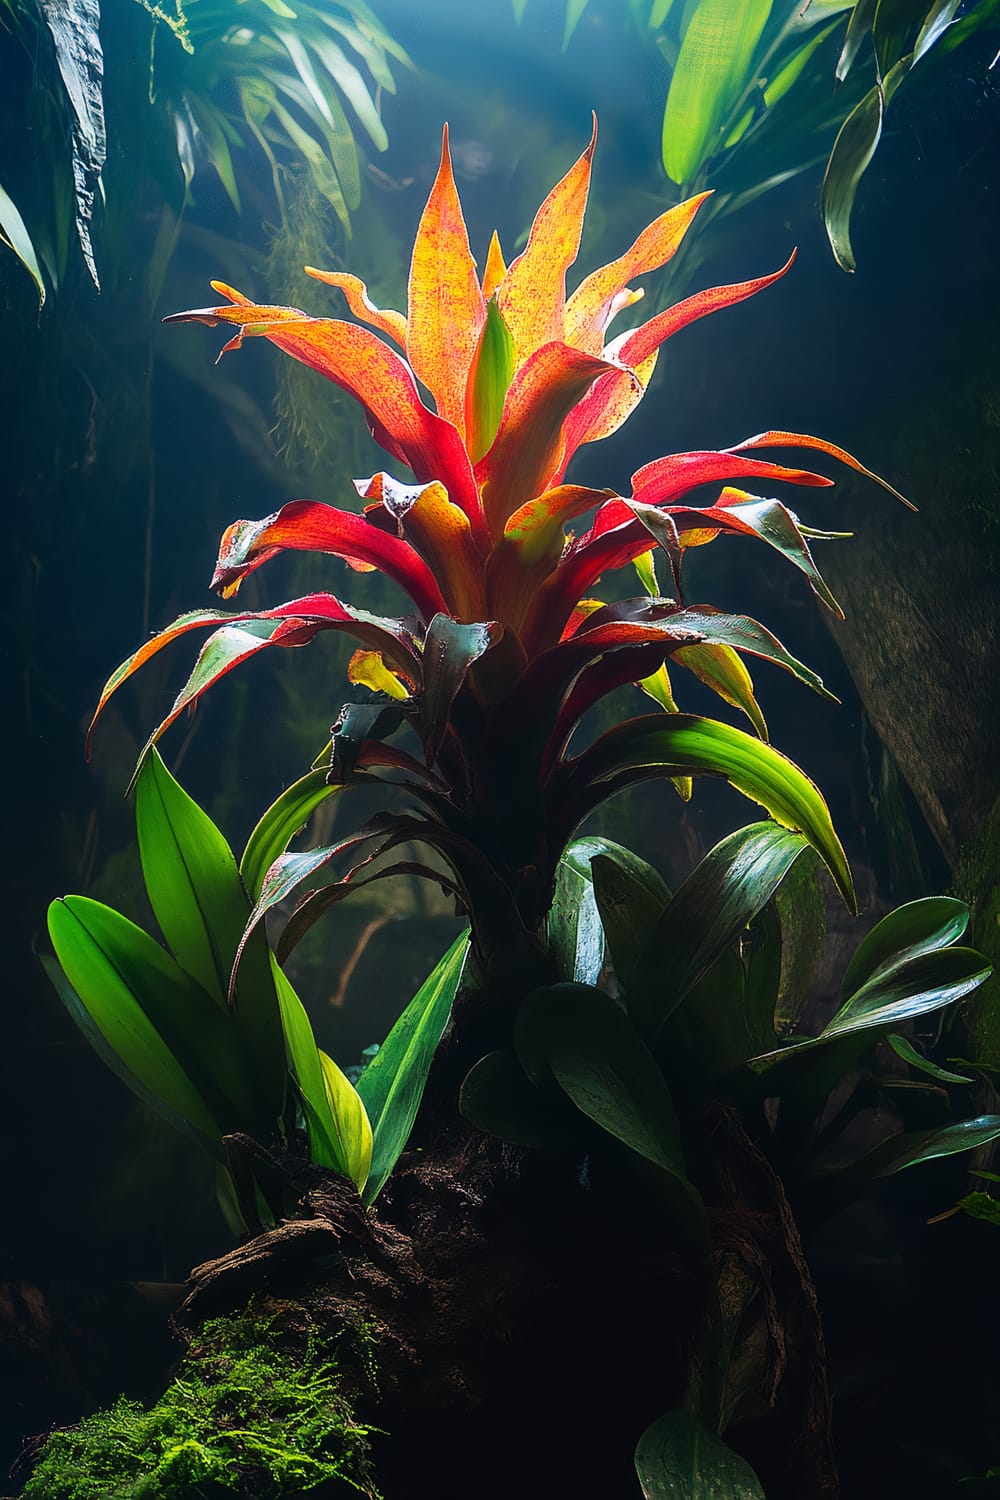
(759, 89)
(220, 77)
(241, 1076)
(492, 677)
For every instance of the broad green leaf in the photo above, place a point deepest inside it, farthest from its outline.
(906, 1050)
(583, 1040)
(573, 926)
(895, 21)
(790, 72)
(707, 915)
(167, 1031)
(392, 1085)
(680, 744)
(198, 898)
(918, 927)
(350, 1121)
(286, 817)
(498, 1098)
(801, 907)
(630, 896)
(15, 235)
(937, 20)
(912, 988)
(678, 1458)
(713, 67)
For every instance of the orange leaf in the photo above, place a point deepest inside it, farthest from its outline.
(391, 323)
(532, 296)
(439, 531)
(361, 364)
(820, 445)
(591, 305)
(530, 548)
(446, 304)
(496, 268)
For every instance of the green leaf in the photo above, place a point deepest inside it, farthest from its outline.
(721, 668)
(573, 926)
(211, 126)
(936, 22)
(169, 1034)
(852, 152)
(918, 927)
(498, 1098)
(801, 907)
(392, 1085)
(980, 1206)
(286, 817)
(678, 1458)
(906, 1050)
(574, 12)
(707, 915)
(713, 67)
(858, 28)
(198, 898)
(630, 897)
(681, 744)
(490, 377)
(911, 1147)
(306, 1068)
(16, 237)
(596, 1056)
(894, 21)
(775, 525)
(350, 1121)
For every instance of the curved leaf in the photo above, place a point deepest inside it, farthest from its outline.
(275, 830)
(905, 1049)
(683, 744)
(392, 1085)
(573, 926)
(918, 927)
(679, 1458)
(497, 1097)
(350, 1121)
(707, 915)
(450, 649)
(856, 144)
(631, 896)
(914, 1146)
(14, 233)
(596, 1056)
(168, 1032)
(306, 1068)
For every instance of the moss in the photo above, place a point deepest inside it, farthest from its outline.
(243, 1415)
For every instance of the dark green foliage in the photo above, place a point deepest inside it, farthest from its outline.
(242, 1416)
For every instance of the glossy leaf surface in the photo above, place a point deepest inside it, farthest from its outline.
(679, 1458)
(392, 1085)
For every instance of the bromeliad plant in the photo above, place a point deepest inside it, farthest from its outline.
(486, 390)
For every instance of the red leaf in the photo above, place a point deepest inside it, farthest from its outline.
(308, 526)
(446, 305)
(530, 548)
(803, 440)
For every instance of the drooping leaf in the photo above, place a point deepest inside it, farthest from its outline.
(852, 153)
(936, 22)
(713, 67)
(587, 1044)
(350, 1119)
(678, 1458)
(858, 28)
(905, 1049)
(573, 925)
(682, 744)
(908, 1149)
(450, 650)
(706, 916)
(74, 26)
(278, 826)
(917, 928)
(392, 1084)
(722, 669)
